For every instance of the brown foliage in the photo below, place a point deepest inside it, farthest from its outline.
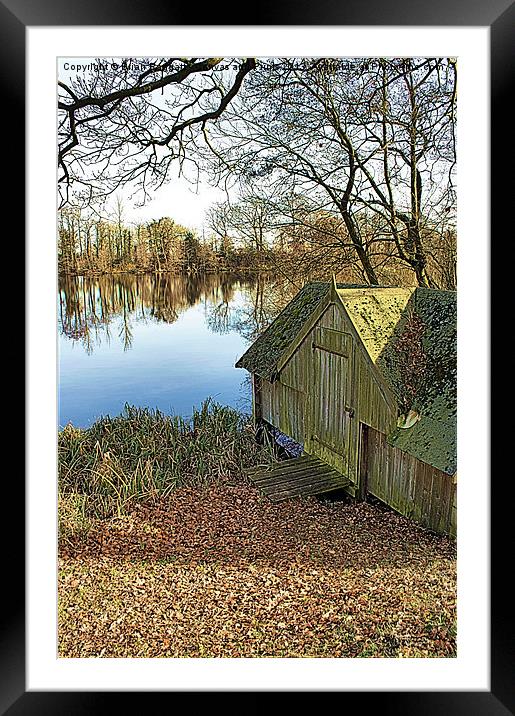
(226, 573)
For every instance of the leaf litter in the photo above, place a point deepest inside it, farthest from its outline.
(221, 571)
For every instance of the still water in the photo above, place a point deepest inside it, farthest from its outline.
(165, 341)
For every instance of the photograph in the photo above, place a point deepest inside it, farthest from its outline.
(257, 374)
(257, 303)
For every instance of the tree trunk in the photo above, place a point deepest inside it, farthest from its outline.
(360, 249)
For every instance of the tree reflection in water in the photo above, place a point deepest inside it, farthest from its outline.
(88, 306)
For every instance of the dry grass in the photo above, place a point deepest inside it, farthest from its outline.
(144, 455)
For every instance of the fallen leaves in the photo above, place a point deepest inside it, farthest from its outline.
(223, 572)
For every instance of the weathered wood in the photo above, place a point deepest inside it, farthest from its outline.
(305, 331)
(318, 481)
(290, 473)
(297, 478)
(329, 350)
(363, 462)
(257, 411)
(286, 469)
(410, 486)
(306, 475)
(291, 464)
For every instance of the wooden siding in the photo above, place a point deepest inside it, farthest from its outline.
(330, 397)
(284, 408)
(411, 487)
(330, 430)
(307, 384)
(454, 513)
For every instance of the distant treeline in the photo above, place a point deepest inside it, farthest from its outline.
(94, 246)
(312, 245)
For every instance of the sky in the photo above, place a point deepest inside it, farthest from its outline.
(182, 201)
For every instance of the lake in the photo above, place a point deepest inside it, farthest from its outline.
(159, 341)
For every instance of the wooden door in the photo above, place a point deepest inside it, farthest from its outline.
(330, 412)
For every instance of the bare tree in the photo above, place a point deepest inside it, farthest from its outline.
(219, 220)
(126, 122)
(251, 220)
(411, 171)
(358, 137)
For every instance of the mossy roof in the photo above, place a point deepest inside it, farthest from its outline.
(410, 335)
(433, 393)
(263, 355)
(375, 311)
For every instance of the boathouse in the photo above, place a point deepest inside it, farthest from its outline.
(364, 378)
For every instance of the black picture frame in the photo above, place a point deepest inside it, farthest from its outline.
(499, 16)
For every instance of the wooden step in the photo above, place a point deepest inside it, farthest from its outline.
(316, 489)
(296, 463)
(296, 477)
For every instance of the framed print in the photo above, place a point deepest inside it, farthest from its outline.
(42, 40)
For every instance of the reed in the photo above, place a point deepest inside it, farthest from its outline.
(144, 455)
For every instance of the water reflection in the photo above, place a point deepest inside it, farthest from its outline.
(166, 341)
(88, 305)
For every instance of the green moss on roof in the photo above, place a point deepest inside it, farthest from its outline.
(263, 355)
(427, 385)
(375, 311)
(431, 440)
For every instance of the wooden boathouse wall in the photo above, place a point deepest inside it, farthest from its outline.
(324, 390)
(410, 486)
(327, 392)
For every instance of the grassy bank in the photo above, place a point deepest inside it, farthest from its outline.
(143, 455)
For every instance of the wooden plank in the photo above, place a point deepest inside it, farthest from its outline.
(265, 473)
(275, 465)
(316, 489)
(305, 475)
(290, 465)
(288, 461)
(292, 476)
(306, 480)
(334, 351)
